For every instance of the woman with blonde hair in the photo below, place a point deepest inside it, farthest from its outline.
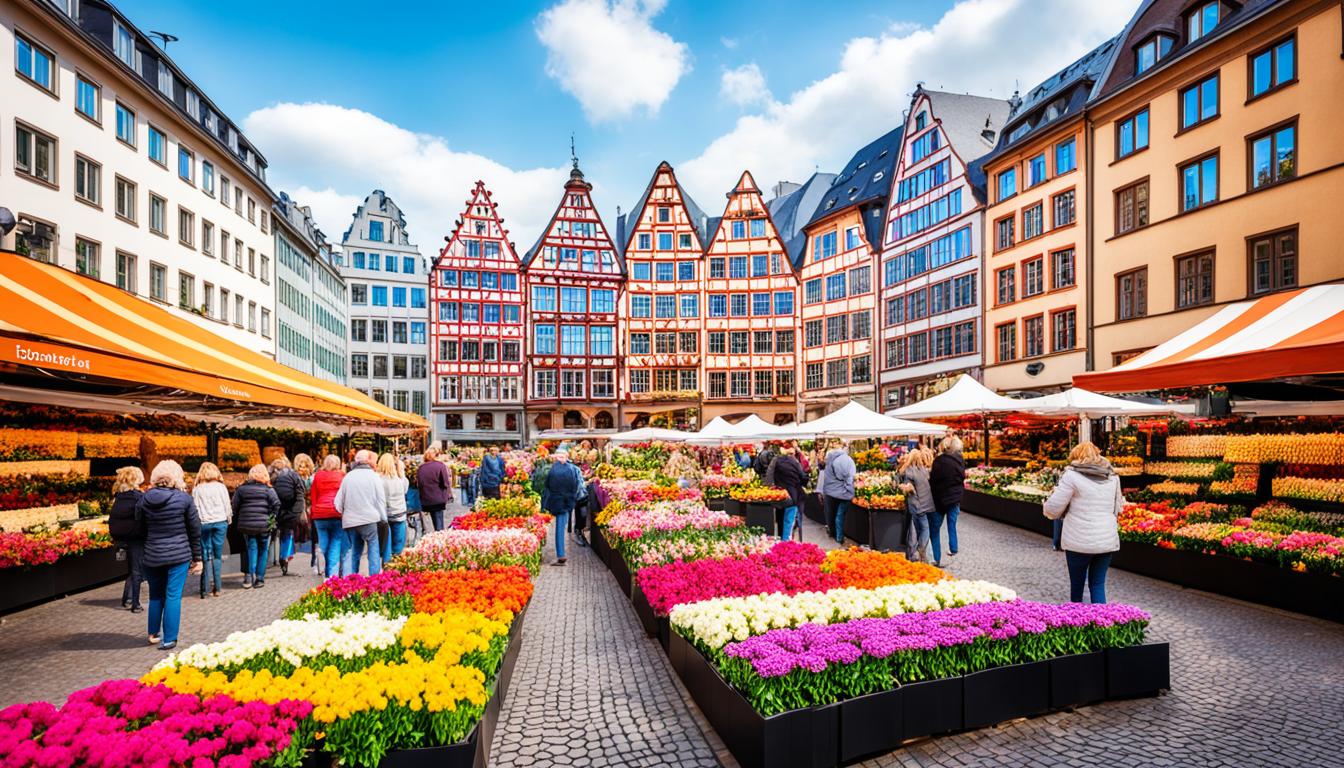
(293, 502)
(1088, 500)
(393, 474)
(168, 521)
(326, 518)
(912, 474)
(121, 525)
(256, 506)
(303, 465)
(212, 505)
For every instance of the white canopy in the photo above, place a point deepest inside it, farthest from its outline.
(645, 434)
(712, 433)
(854, 420)
(720, 430)
(967, 396)
(1254, 407)
(1080, 402)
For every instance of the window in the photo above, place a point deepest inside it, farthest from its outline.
(739, 384)
(783, 302)
(125, 125)
(1006, 282)
(87, 101)
(718, 305)
(1273, 261)
(123, 44)
(716, 268)
(1063, 330)
(923, 181)
(602, 340)
(543, 339)
(684, 242)
(88, 257)
(835, 287)
(688, 342)
(923, 146)
(1006, 183)
(812, 333)
(380, 366)
(158, 282)
(851, 238)
(739, 230)
(664, 272)
(1004, 236)
(1273, 67)
(224, 191)
(664, 214)
(641, 306)
(860, 325)
(1062, 273)
(573, 299)
(399, 332)
(837, 373)
(639, 344)
(359, 364)
(417, 298)
(664, 241)
(1033, 336)
(737, 266)
(1131, 207)
(1131, 294)
(860, 280)
(1064, 210)
(571, 383)
(762, 342)
(784, 342)
(812, 376)
(186, 290)
(760, 265)
(1152, 51)
(543, 299)
(1201, 21)
(1007, 339)
(812, 291)
(543, 383)
(737, 305)
(359, 293)
(837, 329)
(1199, 183)
(407, 262)
(34, 154)
(1033, 221)
(35, 63)
(359, 330)
(825, 247)
(389, 261)
(760, 304)
(186, 165)
(573, 339)
(88, 180)
(186, 227)
(640, 270)
(1036, 170)
(1199, 102)
(378, 296)
(690, 305)
(685, 270)
(1194, 280)
(643, 241)
(158, 213)
(158, 146)
(718, 342)
(399, 297)
(784, 382)
(1273, 156)
(378, 331)
(376, 231)
(665, 306)
(737, 342)
(208, 178)
(126, 272)
(758, 227)
(1066, 156)
(1131, 134)
(1033, 277)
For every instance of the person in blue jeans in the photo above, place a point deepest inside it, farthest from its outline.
(392, 473)
(1088, 500)
(562, 492)
(362, 502)
(167, 519)
(213, 507)
(255, 507)
(786, 473)
(947, 480)
(837, 488)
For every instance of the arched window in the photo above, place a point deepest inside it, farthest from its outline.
(485, 420)
(602, 420)
(573, 420)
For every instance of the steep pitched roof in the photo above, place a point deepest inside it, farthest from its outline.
(865, 182)
(793, 210)
(970, 123)
(577, 185)
(625, 225)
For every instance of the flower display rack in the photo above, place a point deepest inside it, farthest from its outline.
(25, 586)
(1022, 514)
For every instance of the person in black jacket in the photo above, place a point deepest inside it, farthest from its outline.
(788, 474)
(171, 530)
(289, 489)
(125, 532)
(761, 464)
(563, 480)
(255, 508)
(947, 480)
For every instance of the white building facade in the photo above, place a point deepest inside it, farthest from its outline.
(388, 284)
(311, 298)
(118, 167)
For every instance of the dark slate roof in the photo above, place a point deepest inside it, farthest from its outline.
(971, 123)
(625, 225)
(865, 182)
(793, 210)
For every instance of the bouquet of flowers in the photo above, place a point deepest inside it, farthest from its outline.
(718, 486)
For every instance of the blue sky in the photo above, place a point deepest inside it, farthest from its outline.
(341, 99)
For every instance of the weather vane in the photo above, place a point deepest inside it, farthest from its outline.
(573, 156)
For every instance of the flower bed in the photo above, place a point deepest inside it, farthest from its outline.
(719, 486)
(536, 524)
(25, 549)
(856, 567)
(445, 550)
(697, 544)
(496, 592)
(788, 567)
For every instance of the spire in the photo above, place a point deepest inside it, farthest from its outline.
(575, 174)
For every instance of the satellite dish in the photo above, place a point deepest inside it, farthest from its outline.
(1035, 368)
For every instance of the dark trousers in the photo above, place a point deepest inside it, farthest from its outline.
(135, 553)
(435, 514)
(490, 491)
(835, 517)
(1090, 569)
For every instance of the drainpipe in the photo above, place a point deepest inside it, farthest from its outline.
(1089, 357)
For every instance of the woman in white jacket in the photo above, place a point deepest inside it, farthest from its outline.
(1089, 501)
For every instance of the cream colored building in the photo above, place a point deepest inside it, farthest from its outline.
(119, 167)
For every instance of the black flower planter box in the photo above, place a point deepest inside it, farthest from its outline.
(1003, 693)
(1139, 670)
(601, 546)
(857, 524)
(801, 738)
(1023, 514)
(664, 633)
(762, 516)
(734, 507)
(872, 724)
(812, 508)
(21, 586)
(889, 529)
(717, 505)
(620, 570)
(471, 752)
(933, 706)
(1077, 679)
(677, 648)
(644, 611)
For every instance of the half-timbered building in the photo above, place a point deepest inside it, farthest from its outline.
(573, 278)
(751, 293)
(477, 334)
(661, 317)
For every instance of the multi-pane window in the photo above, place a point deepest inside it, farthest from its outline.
(688, 342)
(600, 300)
(378, 332)
(685, 270)
(963, 291)
(602, 340)
(35, 63)
(893, 353)
(1151, 51)
(812, 333)
(760, 265)
(1062, 273)
(763, 383)
(760, 304)
(835, 287)
(737, 266)
(1131, 134)
(1006, 183)
(1199, 183)
(87, 101)
(861, 370)
(664, 271)
(718, 384)
(762, 342)
(639, 381)
(812, 376)
(158, 213)
(1006, 284)
(1007, 342)
(1004, 233)
(737, 305)
(88, 180)
(718, 342)
(1036, 170)
(186, 165)
(665, 306)
(1066, 156)
(126, 273)
(543, 339)
(739, 384)
(1273, 67)
(739, 230)
(186, 290)
(1033, 277)
(34, 154)
(1131, 293)
(1194, 280)
(573, 339)
(860, 280)
(1273, 156)
(573, 299)
(824, 246)
(718, 305)
(543, 299)
(923, 146)
(738, 343)
(158, 282)
(639, 344)
(1201, 21)
(837, 329)
(1199, 102)
(543, 383)
(860, 325)
(716, 267)
(1131, 207)
(783, 302)
(186, 227)
(812, 291)
(88, 256)
(1064, 211)
(784, 382)
(1063, 330)
(125, 125)
(1033, 336)
(158, 146)
(784, 342)
(665, 343)
(690, 305)
(1273, 261)
(1033, 221)
(837, 372)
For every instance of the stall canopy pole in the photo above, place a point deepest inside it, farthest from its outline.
(212, 442)
(985, 418)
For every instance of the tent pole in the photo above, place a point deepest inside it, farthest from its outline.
(985, 419)
(212, 443)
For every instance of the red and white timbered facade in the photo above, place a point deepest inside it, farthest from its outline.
(573, 279)
(751, 314)
(661, 314)
(477, 331)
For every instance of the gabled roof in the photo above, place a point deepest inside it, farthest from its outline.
(865, 182)
(480, 196)
(970, 123)
(576, 183)
(626, 225)
(793, 210)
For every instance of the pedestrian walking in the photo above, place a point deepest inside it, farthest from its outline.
(912, 474)
(125, 533)
(436, 487)
(256, 507)
(837, 489)
(305, 533)
(171, 531)
(326, 518)
(562, 491)
(1088, 499)
(362, 502)
(785, 472)
(492, 473)
(289, 488)
(213, 508)
(395, 484)
(947, 479)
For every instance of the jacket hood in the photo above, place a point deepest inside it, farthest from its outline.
(1099, 472)
(159, 497)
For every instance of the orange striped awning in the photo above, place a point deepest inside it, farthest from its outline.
(63, 323)
(1285, 335)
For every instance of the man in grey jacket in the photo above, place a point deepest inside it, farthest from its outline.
(837, 488)
(362, 502)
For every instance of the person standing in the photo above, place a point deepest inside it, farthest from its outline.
(541, 469)
(837, 489)
(788, 474)
(1088, 499)
(171, 531)
(303, 466)
(562, 491)
(436, 488)
(211, 497)
(326, 519)
(121, 526)
(362, 502)
(256, 506)
(912, 474)
(492, 473)
(947, 479)
(289, 488)
(393, 474)
(761, 464)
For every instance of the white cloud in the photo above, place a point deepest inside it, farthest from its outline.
(609, 56)
(744, 86)
(978, 46)
(730, 43)
(330, 157)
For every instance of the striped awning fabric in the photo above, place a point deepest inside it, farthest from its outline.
(58, 321)
(1285, 335)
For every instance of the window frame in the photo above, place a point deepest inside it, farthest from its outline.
(1197, 85)
(1050, 329)
(1115, 196)
(96, 199)
(134, 218)
(1119, 124)
(1274, 237)
(1270, 49)
(1024, 349)
(1011, 218)
(53, 66)
(97, 117)
(998, 342)
(1271, 133)
(1198, 162)
(53, 160)
(1176, 260)
(151, 129)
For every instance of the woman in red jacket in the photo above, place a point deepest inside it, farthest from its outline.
(326, 520)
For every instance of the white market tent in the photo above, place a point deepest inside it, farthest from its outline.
(719, 431)
(752, 427)
(712, 433)
(645, 434)
(966, 397)
(854, 421)
(1081, 402)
